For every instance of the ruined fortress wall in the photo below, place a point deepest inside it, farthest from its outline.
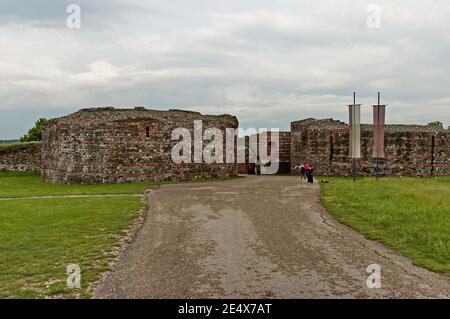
(21, 158)
(410, 150)
(107, 145)
(284, 150)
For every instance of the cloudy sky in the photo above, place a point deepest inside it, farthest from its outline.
(267, 62)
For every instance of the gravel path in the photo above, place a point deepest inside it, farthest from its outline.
(258, 237)
(70, 196)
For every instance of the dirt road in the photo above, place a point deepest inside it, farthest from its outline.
(256, 237)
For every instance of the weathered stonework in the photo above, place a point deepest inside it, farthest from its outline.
(21, 158)
(284, 149)
(284, 153)
(107, 145)
(411, 150)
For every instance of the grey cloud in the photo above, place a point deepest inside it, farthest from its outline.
(52, 13)
(268, 64)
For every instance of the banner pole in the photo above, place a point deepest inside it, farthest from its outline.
(354, 159)
(378, 172)
(378, 176)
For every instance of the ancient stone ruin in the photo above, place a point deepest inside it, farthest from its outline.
(107, 145)
(411, 150)
(265, 147)
(25, 157)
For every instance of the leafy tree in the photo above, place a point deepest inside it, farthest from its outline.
(35, 133)
(436, 124)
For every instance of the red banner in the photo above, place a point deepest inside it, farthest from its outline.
(379, 116)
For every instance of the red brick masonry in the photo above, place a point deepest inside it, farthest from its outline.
(21, 158)
(107, 145)
(411, 150)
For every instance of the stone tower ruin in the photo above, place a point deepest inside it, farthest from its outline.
(107, 145)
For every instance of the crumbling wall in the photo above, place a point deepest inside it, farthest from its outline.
(410, 150)
(24, 157)
(107, 145)
(284, 152)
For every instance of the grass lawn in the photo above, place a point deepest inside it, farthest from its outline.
(40, 237)
(30, 184)
(409, 215)
(23, 185)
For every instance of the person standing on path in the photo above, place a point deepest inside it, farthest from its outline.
(309, 174)
(258, 167)
(300, 170)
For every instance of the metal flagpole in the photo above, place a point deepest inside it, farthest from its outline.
(378, 176)
(377, 169)
(354, 159)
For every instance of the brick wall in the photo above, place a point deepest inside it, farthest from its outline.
(284, 153)
(284, 150)
(411, 150)
(107, 145)
(21, 158)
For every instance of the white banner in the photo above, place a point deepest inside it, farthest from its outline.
(355, 130)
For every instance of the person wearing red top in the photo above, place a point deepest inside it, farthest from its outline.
(309, 173)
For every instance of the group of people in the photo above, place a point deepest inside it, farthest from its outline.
(306, 172)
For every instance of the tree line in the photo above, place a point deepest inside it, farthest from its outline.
(438, 124)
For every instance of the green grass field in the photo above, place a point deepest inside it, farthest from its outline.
(26, 185)
(30, 184)
(409, 215)
(40, 237)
